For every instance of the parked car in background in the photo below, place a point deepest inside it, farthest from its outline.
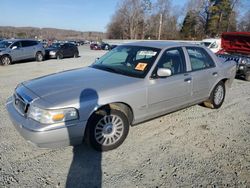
(128, 85)
(60, 51)
(95, 46)
(74, 42)
(105, 46)
(213, 44)
(20, 49)
(236, 46)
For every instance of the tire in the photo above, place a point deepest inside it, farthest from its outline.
(217, 96)
(247, 77)
(59, 56)
(106, 47)
(39, 56)
(76, 54)
(107, 129)
(6, 60)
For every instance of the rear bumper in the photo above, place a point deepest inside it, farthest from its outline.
(71, 134)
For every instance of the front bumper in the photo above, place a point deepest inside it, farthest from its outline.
(68, 134)
(244, 69)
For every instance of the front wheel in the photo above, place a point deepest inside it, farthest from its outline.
(39, 56)
(217, 96)
(59, 56)
(247, 77)
(6, 60)
(76, 55)
(107, 129)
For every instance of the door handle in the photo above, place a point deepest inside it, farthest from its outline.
(215, 74)
(188, 80)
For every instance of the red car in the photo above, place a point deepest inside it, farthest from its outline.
(95, 46)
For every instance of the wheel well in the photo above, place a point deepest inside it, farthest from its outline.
(39, 52)
(225, 81)
(125, 108)
(7, 56)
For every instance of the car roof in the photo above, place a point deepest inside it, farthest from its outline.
(159, 44)
(14, 40)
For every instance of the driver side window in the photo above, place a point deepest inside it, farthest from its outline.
(17, 44)
(173, 59)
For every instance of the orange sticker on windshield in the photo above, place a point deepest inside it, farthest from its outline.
(141, 66)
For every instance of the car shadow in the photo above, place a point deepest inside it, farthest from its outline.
(240, 78)
(27, 61)
(85, 169)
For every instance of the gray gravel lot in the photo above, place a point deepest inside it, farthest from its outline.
(194, 147)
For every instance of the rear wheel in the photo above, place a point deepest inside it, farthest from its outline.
(107, 129)
(39, 56)
(6, 60)
(217, 96)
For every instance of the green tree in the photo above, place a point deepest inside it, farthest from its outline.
(221, 17)
(188, 30)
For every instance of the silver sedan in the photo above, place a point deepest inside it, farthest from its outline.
(130, 84)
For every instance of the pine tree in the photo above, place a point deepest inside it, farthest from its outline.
(220, 16)
(188, 30)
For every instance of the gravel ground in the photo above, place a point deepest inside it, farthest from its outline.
(194, 147)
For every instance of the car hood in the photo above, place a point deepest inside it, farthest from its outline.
(70, 84)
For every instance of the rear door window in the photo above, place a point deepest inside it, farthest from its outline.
(27, 43)
(199, 58)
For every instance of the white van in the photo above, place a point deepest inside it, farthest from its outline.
(213, 44)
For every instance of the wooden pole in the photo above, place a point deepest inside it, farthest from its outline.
(159, 33)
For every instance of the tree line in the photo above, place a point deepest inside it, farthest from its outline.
(197, 19)
(48, 33)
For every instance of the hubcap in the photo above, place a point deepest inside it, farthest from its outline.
(6, 61)
(109, 130)
(40, 57)
(218, 95)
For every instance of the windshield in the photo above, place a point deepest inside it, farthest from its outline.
(133, 61)
(5, 44)
(205, 44)
(55, 45)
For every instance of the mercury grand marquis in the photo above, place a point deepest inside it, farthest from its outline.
(132, 83)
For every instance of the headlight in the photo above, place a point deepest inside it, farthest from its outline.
(52, 53)
(52, 116)
(243, 61)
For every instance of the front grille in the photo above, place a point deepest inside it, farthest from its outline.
(20, 105)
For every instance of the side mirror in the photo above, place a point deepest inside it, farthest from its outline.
(14, 47)
(164, 72)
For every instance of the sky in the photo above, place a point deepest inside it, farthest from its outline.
(80, 15)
